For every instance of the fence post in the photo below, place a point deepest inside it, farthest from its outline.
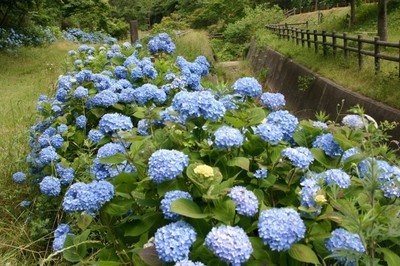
(360, 58)
(334, 43)
(399, 59)
(302, 38)
(292, 32)
(307, 24)
(316, 41)
(308, 39)
(324, 48)
(133, 24)
(297, 37)
(376, 55)
(346, 52)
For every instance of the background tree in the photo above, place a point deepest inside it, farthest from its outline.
(382, 20)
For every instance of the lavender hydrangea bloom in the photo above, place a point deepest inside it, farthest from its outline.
(272, 101)
(60, 234)
(48, 155)
(353, 121)
(81, 121)
(189, 263)
(280, 228)
(104, 98)
(19, 177)
(320, 125)
(269, 133)
(350, 152)
(261, 173)
(300, 157)
(87, 197)
(50, 186)
(161, 42)
(338, 177)
(247, 87)
(203, 63)
(173, 241)
(149, 92)
(126, 95)
(136, 73)
(110, 123)
(169, 197)
(328, 144)
(80, 92)
(167, 165)
(309, 189)
(143, 127)
(67, 174)
(227, 137)
(57, 141)
(285, 121)
(230, 244)
(245, 200)
(344, 240)
(95, 135)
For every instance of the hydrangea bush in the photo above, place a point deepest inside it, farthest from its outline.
(138, 161)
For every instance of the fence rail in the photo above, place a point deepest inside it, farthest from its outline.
(350, 44)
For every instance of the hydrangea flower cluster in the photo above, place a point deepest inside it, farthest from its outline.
(174, 240)
(328, 144)
(273, 101)
(95, 135)
(149, 92)
(353, 121)
(285, 121)
(79, 36)
(344, 240)
(60, 234)
(48, 155)
(169, 197)
(143, 127)
(110, 123)
(300, 157)
(247, 87)
(338, 177)
(350, 152)
(280, 228)
(269, 133)
(87, 197)
(261, 173)
(227, 137)
(167, 165)
(50, 186)
(19, 177)
(245, 200)
(67, 174)
(188, 263)
(81, 121)
(320, 125)
(230, 244)
(192, 72)
(161, 42)
(309, 189)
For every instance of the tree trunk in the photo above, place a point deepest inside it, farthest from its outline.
(352, 12)
(382, 20)
(316, 5)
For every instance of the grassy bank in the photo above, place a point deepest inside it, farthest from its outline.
(382, 87)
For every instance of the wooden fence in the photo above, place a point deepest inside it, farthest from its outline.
(350, 44)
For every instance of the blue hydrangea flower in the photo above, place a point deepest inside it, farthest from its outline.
(95, 135)
(136, 73)
(81, 92)
(280, 228)
(126, 96)
(110, 123)
(353, 121)
(150, 71)
(309, 189)
(60, 234)
(25, 203)
(350, 152)
(381, 168)
(344, 240)
(230, 244)
(273, 101)
(48, 155)
(203, 63)
(189, 263)
(121, 72)
(143, 127)
(338, 177)
(173, 241)
(50, 186)
(300, 157)
(149, 92)
(87, 197)
(261, 173)
(57, 141)
(226, 137)
(104, 98)
(328, 144)
(169, 197)
(81, 121)
(269, 133)
(167, 165)
(19, 177)
(247, 87)
(320, 125)
(161, 42)
(67, 174)
(285, 121)
(245, 200)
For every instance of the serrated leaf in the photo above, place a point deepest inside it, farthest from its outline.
(303, 253)
(187, 208)
(241, 162)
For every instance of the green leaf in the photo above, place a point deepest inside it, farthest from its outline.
(84, 221)
(224, 211)
(303, 253)
(323, 159)
(149, 256)
(70, 254)
(255, 116)
(241, 162)
(254, 145)
(114, 159)
(103, 263)
(391, 258)
(138, 227)
(235, 122)
(344, 142)
(187, 208)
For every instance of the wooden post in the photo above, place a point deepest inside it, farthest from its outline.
(346, 52)
(360, 58)
(302, 38)
(308, 39)
(376, 55)
(297, 37)
(307, 24)
(324, 48)
(399, 59)
(316, 41)
(334, 43)
(134, 31)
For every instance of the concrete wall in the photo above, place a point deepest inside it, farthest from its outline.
(321, 94)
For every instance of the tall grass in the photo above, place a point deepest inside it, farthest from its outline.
(24, 74)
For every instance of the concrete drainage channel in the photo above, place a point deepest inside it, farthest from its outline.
(307, 92)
